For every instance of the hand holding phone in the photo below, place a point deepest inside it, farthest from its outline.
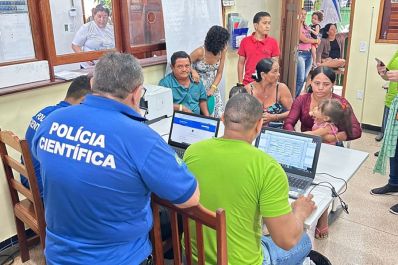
(381, 67)
(380, 63)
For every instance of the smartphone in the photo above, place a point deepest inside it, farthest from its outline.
(380, 62)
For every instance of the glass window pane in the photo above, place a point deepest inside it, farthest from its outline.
(16, 41)
(69, 27)
(146, 22)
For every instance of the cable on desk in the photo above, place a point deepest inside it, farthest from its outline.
(334, 193)
(330, 175)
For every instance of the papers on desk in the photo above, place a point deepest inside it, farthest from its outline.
(69, 75)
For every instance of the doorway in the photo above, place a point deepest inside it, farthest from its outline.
(290, 36)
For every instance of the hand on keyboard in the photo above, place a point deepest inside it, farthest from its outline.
(304, 206)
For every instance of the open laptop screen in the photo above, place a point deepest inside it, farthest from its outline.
(296, 152)
(187, 128)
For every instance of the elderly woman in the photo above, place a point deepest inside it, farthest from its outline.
(208, 64)
(274, 96)
(95, 35)
(322, 81)
(331, 49)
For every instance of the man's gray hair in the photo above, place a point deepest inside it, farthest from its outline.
(242, 112)
(117, 74)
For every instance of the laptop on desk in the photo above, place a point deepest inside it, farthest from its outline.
(297, 153)
(188, 128)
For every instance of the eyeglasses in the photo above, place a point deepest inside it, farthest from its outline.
(143, 91)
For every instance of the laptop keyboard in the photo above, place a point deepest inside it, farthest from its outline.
(297, 182)
(180, 152)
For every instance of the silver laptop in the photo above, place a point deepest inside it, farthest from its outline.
(296, 152)
(189, 128)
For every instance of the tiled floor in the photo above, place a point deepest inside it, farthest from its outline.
(366, 236)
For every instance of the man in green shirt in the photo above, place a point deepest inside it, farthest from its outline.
(252, 188)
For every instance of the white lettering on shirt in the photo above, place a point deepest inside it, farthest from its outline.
(76, 151)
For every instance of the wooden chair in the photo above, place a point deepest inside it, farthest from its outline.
(30, 210)
(201, 216)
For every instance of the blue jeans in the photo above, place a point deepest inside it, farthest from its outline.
(394, 169)
(385, 116)
(274, 255)
(304, 63)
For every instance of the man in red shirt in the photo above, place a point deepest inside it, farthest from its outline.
(256, 47)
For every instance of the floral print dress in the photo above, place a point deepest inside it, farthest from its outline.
(207, 73)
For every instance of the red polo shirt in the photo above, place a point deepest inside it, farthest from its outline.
(254, 50)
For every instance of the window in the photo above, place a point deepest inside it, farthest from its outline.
(146, 28)
(16, 39)
(32, 30)
(387, 26)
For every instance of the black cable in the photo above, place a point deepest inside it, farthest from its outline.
(330, 175)
(344, 206)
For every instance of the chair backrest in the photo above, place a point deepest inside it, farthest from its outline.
(10, 140)
(201, 216)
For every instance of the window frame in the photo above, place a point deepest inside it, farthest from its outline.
(379, 24)
(136, 49)
(35, 28)
(54, 59)
(44, 43)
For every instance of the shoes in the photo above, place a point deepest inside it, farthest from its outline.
(394, 209)
(387, 189)
(379, 137)
(322, 233)
(377, 153)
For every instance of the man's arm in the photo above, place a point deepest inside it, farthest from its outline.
(193, 201)
(286, 230)
(181, 107)
(241, 66)
(203, 107)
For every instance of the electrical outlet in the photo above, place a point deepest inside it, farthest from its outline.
(359, 94)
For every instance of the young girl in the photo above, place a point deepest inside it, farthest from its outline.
(315, 28)
(327, 116)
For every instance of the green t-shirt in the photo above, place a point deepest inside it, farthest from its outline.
(248, 184)
(393, 86)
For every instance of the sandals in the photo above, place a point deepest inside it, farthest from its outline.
(322, 233)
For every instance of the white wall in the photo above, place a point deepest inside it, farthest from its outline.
(362, 75)
(247, 11)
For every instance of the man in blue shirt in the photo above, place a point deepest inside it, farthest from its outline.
(188, 96)
(77, 90)
(100, 163)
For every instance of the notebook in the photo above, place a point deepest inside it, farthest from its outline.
(189, 128)
(297, 153)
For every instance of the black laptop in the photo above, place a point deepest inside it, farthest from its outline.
(296, 152)
(188, 128)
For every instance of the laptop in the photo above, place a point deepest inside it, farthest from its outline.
(297, 153)
(188, 128)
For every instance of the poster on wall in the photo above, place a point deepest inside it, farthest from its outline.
(186, 23)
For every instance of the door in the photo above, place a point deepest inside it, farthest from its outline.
(289, 39)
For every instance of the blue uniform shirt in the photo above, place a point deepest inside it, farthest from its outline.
(30, 132)
(99, 165)
(188, 97)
